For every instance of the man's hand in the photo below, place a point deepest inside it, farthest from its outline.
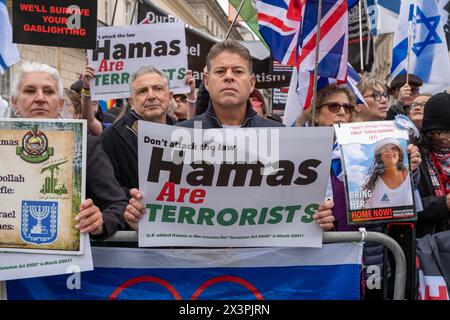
(190, 81)
(135, 209)
(87, 75)
(90, 218)
(324, 217)
(404, 93)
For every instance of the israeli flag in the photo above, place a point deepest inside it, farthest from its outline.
(9, 54)
(429, 58)
(383, 15)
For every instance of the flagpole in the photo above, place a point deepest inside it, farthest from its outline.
(234, 20)
(361, 52)
(134, 11)
(410, 40)
(114, 13)
(408, 55)
(316, 65)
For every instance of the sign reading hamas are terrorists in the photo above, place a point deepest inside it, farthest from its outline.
(62, 23)
(41, 185)
(376, 172)
(121, 51)
(232, 187)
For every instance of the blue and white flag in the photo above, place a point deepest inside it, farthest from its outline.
(429, 57)
(9, 54)
(332, 272)
(383, 15)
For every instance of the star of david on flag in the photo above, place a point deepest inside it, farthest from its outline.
(429, 58)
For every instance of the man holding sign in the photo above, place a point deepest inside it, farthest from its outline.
(229, 81)
(150, 98)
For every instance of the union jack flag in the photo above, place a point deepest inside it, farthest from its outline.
(279, 24)
(289, 28)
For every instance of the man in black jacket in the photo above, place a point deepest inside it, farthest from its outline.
(150, 97)
(229, 81)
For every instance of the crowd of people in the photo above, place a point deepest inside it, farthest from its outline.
(227, 98)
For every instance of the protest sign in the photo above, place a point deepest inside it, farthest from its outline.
(376, 172)
(121, 51)
(354, 40)
(14, 265)
(232, 187)
(41, 185)
(279, 99)
(64, 23)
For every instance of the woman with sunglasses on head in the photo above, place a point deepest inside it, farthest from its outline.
(335, 104)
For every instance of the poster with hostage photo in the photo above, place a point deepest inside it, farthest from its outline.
(377, 177)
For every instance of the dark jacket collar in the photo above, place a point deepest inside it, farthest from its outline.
(132, 117)
(249, 114)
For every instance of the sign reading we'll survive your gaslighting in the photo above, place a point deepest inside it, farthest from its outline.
(63, 23)
(232, 187)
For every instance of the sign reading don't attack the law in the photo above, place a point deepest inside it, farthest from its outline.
(241, 187)
(121, 51)
(63, 23)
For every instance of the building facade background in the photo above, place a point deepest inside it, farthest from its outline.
(204, 15)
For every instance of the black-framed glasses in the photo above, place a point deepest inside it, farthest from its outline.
(376, 95)
(336, 106)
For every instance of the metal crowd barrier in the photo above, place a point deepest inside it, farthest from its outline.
(328, 237)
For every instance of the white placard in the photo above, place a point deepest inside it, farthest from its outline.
(121, 51)
(218, 192)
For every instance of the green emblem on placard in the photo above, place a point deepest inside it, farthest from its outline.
(51, 183)
(34, 147)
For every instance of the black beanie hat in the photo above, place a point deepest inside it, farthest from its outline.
(436, 115)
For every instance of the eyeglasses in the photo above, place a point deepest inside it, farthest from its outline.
(438, 133)
(417, 105)
(376, 95)
(335, 107)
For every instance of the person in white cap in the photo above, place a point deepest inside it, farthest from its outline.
(389, 183)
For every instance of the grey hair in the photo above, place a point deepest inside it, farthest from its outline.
(28, 67)
(147, 69)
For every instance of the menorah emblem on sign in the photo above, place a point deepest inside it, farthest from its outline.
(39, 221)
(39, 213)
